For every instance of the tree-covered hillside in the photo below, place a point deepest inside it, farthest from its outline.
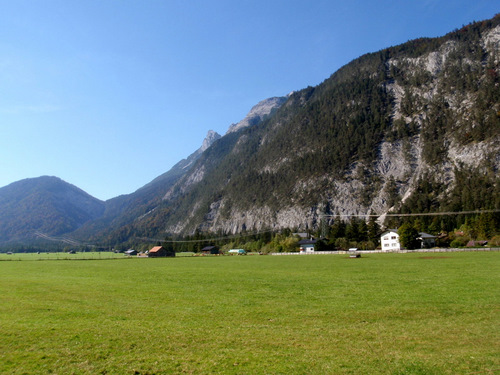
(44, 205)
(366, 139)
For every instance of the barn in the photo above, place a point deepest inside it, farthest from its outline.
(160, 251)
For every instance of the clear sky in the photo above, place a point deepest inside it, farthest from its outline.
(109, 94)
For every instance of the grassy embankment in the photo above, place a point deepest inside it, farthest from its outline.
(382, 313)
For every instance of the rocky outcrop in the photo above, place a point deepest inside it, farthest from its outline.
(258, 113)
(211, 137)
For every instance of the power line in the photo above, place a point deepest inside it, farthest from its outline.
(417, 214)
(233, 236)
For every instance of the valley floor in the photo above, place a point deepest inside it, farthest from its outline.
(379, 314)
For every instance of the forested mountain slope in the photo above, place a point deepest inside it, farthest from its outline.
(413, 127)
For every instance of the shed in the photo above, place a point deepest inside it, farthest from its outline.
(160, 251)
(131, 252)
(210, 250)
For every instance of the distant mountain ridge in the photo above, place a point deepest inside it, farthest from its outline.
(45, 204)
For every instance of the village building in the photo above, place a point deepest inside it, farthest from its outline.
(389, 241)
(160, 251)
(307, 246)
(131, 252)
(426, 240)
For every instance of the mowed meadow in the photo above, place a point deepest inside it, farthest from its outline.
(304, 314)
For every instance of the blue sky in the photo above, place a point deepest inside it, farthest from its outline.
(109, 94)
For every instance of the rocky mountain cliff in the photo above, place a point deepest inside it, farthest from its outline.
(365, 140)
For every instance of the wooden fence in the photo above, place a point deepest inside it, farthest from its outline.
(436, 250)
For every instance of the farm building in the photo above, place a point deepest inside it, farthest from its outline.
(131, 252)
(210, 250)
(389, 241)
(160, 251)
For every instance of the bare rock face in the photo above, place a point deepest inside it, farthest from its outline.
(258, 113)
(211, 137)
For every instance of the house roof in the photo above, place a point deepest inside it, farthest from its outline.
(426, 235)
(207, 248)
(307, 242)
(156, 249)
(389, 231)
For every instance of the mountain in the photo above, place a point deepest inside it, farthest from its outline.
(44, 206)
(411, 128)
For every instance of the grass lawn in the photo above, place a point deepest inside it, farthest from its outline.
(319, 314)
(61, 256)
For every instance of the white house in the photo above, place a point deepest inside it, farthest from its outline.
(307, 246)
(389, 241)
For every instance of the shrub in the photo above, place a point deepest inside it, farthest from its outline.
(459, 241)
(495, 241)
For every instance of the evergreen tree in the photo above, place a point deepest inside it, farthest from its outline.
(408, 236)
(373, 229)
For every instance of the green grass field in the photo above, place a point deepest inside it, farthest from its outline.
(320, 314)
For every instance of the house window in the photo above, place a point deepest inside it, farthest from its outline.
(386, 238)
(393, 237)
(386, 245)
